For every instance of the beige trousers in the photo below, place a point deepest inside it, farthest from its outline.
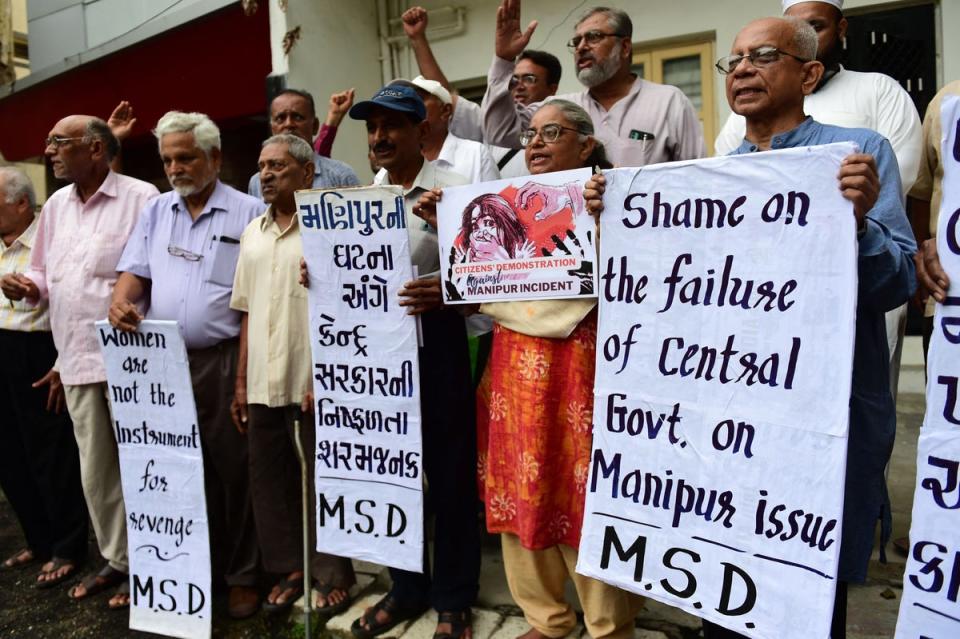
(99, 469)
(537, 579)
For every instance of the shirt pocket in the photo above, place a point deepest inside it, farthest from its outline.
(107, 249)
(223, 266)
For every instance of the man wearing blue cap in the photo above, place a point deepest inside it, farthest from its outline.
(396, 126)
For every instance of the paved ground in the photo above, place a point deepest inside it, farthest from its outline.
(25, 612)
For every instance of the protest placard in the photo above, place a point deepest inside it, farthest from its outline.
(161, 469)
(727, 294)
(524, 238)
(931, 581)
(369, 479)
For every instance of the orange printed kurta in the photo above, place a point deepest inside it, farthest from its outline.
(534, 417)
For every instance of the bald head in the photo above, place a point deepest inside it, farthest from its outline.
(80, 145)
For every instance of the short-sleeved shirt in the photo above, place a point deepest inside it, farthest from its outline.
(424, 248)
(652, 123)
(194, 291)
(21, 315)
(327, 173)
(929, 184)
(267, 288)
(74, 265)
(469, 158)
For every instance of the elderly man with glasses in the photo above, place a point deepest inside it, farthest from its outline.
(180, 262)
(639, 122)
(73, 265)
(769, 71)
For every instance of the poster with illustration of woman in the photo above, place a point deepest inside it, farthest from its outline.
(524, 238)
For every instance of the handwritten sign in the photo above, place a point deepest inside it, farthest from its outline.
(931, 582)
(724, 355)
(161, 469)
(519, 239)
(369, 476)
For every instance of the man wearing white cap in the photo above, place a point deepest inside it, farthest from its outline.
(470, 159)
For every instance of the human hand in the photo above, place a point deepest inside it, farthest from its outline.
(16, 286)
(421, 295)
(238, 406)
(414, 22)
(509, 41)
(426, 206)
(304, 275)
(56, 401)
(307, 404)
(860, 183)
(930, 274)
(121, 121)
(124, 315)
(593, 190)
(338, 107)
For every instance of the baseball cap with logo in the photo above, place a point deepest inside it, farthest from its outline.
(394, 97)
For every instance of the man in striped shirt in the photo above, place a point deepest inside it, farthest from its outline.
(39, 463)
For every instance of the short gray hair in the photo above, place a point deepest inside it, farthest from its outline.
(97, 129)
(581, 121)
(804, 38)
(618, 21)
(206, 135)
(297, 147)
(17, 185)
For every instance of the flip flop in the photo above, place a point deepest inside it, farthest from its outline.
(296, 585)
(14, 561)
(332, 609)
(58, 563)
(122, 589)
(396, 612)
(97, 583)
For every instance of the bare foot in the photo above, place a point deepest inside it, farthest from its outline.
(334, 597)
(284, 591)
(119, 600)
(20, 558)
(55, 570)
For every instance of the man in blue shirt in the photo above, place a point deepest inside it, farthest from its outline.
(771, 68)
(293, 111)
(180, 262)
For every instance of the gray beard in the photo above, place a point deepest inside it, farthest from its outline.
(600, 72)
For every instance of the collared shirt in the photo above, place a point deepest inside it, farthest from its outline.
(194, 291)
(862, 100)
(649, 109)
(467, 123)
(327, 174)
(21, 315)
(886, 280)
(424, 248)
(468, 158)
(74, 265)
(929, 184)
(267, 288)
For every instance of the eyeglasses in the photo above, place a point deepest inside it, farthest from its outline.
(57, 141)
(760, 58)
(549, 133)
(190, 256)
(591, 37)
(528, 79)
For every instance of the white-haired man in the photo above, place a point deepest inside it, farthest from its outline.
(73, 264)
(639, 122)
(39, 464)
(180, 261)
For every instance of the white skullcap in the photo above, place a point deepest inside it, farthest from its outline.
(432, 87)
(789, 3)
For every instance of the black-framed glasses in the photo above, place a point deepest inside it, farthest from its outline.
(528, 79)
(760, 58)
(57, 141)
(591, 38)
(549, 133)
(190, 256)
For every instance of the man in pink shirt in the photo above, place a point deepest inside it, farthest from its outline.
(82, 232)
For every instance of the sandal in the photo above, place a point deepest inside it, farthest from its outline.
(19, 559)
(97, 583)
(396, 614)
(331, 610)
(58, 563)
(460, 623)
(285, 584)
(123, 589)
